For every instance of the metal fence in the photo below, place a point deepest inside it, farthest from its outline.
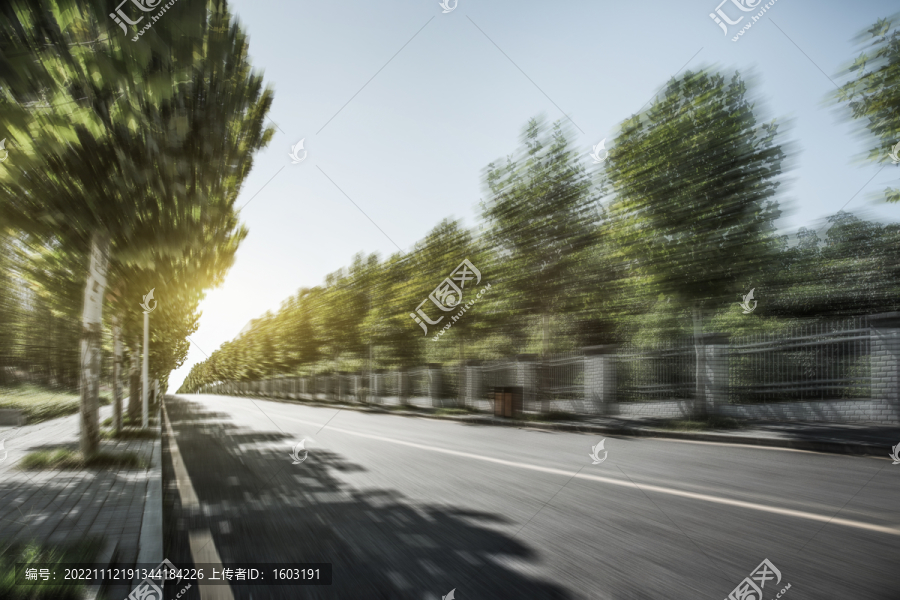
(664, 373)
(451, 380)
(560, 380)
(419, 381)
(496, 374)
(391, 383)
(822, 361)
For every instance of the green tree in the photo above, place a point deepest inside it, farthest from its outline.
(539, 215)
(693, 178)
(139, 149)
(873, 92)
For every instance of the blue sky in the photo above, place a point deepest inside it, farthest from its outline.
(401, 107)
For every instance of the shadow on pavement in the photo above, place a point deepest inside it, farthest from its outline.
(259, 510)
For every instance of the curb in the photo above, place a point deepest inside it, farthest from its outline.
(105, 558)
(150, 543)
(811, 445)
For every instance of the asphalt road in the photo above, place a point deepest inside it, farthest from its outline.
(408, 507)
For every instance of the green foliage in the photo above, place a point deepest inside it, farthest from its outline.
(855, 271)
(67, 459)
(873, 92)
(539, 217)
(689, 226)
(148, 142)
(693, 179)
(17, 555)
(39, 403)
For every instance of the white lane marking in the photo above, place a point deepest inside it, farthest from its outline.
(646, 487)
(625, 435)
(182, 479)
(203, 551)
(203, 548)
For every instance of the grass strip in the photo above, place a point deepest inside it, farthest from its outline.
(47, 556)
(67, 459)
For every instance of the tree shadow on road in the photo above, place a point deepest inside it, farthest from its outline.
(381, 544)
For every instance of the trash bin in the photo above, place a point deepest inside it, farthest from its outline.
(508, 401)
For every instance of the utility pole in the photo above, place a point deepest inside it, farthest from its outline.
(144, 372)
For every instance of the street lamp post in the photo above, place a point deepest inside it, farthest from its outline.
(144, 372)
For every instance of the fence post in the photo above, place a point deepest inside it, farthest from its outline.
(474, 383)
(356, 387)
(341, 384)
(403, 385)
(434, 384)
(377, 385)
(885, 357)
(526, 379)
(600, 378)
(715, 380)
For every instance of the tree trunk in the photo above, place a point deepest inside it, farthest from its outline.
(134, 388)
(461, 382)
(699, 409)
(370, 394)
(117, 374)
(92, 327)
(545, 319)
(544, 383)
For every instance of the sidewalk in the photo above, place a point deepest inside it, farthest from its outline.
(840, 438)
(65, 506)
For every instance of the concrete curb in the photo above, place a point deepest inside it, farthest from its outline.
(811, 445)
(105, 558)
(12, 416)
(150, 544)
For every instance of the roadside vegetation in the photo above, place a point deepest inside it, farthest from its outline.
(18, 556)
(659, 240)
(70, 459)
(39, 403)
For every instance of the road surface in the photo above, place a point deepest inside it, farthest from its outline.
(408, 507)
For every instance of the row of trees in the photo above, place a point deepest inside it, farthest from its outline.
(125, 161)
(673, 230)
